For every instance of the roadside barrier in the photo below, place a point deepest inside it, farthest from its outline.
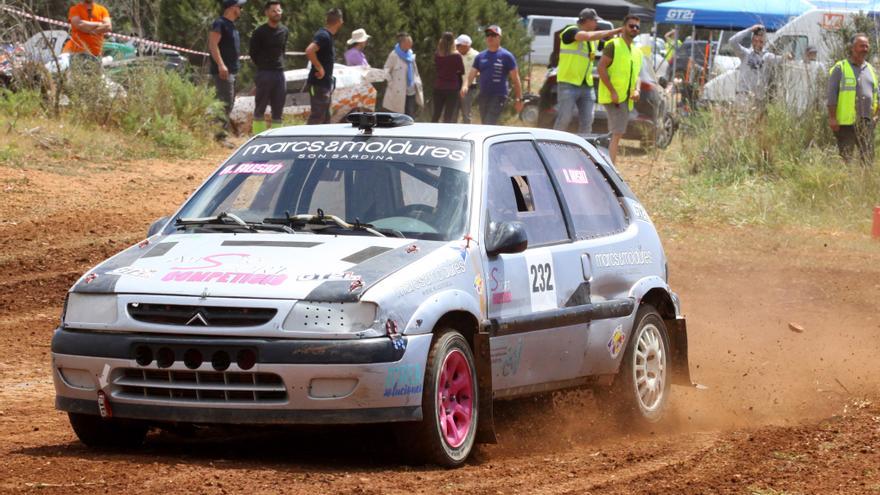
(157, 44)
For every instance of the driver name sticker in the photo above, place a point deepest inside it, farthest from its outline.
(575, 176)
(252, 168)
(542, 280)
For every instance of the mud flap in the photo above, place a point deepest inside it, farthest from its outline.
(681, 373)
(482, 355)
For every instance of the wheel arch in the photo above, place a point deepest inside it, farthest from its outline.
(662, 299)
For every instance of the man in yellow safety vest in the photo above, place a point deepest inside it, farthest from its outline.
(852, 102)
(619, 80)
(574, 76)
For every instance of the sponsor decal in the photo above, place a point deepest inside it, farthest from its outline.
(615, 344)
(640, 212)
(224, 277)
(198, 270)
(542, 282)
(435, 276)
(131, 271)
(831, 21)
(412, 249)
(310, 277)
(623, 258)
(500, 290)
(355, 284)
(405, 379)
(397, 340)
(90, 277)
(252, 168)
(478, 284)
(506, 359)
(680, 15)
(375, 150)
(144, 243)
(575, 176)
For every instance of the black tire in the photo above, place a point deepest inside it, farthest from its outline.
(424, 441)
(107, 433)
(624, 398)
(665, 132)
(530, 115)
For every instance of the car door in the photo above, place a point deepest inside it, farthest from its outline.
(613, 255)
(530, 350)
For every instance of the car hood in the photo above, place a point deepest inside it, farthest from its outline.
(277, 266)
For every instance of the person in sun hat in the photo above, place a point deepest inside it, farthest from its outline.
(354, 56)
(468, 54)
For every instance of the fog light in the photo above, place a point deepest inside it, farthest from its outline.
(192, 359)
(246, 359)
(143, 355)
(220, 361)
(81, 379)
(165, 357)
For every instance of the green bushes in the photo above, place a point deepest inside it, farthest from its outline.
(775, 169)
(147, 101)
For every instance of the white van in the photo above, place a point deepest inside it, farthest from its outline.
(810, 28)
(542, 28)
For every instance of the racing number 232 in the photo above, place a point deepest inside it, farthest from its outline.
(542, 277)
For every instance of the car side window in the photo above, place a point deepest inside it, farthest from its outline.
(520, 190)
(592, 202)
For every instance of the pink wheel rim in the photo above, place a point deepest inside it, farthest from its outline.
(455, 398)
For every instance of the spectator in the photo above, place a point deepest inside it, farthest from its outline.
(89, 22)
(619, 80)
(577, 49)
(494, 65)
(354, 56)
(468, 54)
(321, 54)
(447, 83)
(404, 91)
(852, 102)
(224, 46)
(268, 44)
(754, 68)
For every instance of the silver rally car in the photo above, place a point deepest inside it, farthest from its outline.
(382, 271)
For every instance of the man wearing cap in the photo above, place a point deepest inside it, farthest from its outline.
(577, 49)
(321, 53)
(89, 22)
(619, 80)
(268, 44)
(354, 56)
(494, 65)
(468, 54)
(224, 45)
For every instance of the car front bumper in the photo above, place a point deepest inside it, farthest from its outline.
(291, 382)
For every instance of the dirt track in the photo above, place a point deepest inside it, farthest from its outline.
(784, 411)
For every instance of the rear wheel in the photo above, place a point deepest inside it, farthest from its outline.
(640, 391)
(113, 433)
(450, 403)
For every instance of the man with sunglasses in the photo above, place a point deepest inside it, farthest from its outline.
(494, 65)
(577, 49)
(619, 80)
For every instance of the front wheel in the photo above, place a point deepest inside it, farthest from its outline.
(450, 403)
(640, 392)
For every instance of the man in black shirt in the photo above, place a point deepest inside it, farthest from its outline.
(321, 54)
(224, 46)
(267, 52)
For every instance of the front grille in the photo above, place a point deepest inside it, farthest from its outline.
(200, 386)
(212, 316)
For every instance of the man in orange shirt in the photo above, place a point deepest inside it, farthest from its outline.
(89, 22)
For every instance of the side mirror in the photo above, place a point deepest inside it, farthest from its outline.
(156, 226)
(506, 237)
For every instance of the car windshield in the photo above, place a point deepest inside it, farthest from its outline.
(405, 187)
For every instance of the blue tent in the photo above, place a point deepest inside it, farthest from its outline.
(738, 14)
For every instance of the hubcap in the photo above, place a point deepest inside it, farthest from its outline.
(455, 398)
(649, 365)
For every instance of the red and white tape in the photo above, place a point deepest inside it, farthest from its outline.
(65, 25)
